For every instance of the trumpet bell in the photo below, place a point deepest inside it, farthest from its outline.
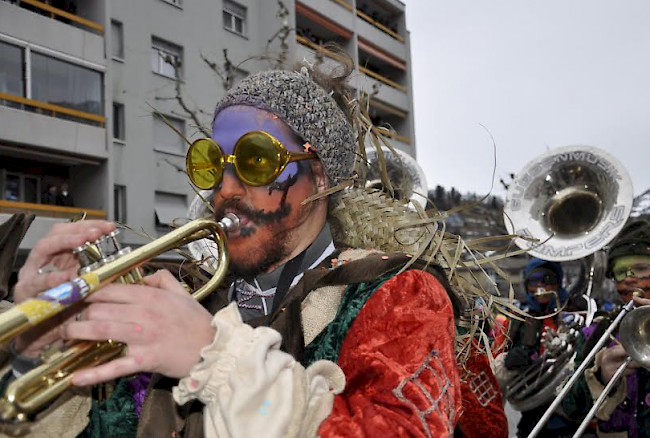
(571, 202)
(635, 335)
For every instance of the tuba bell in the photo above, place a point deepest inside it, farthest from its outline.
(405, 174)
(572, 200)
(569, 203)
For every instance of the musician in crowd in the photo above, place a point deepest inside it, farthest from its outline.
(336, 341)
(626, 411)
(544, 296)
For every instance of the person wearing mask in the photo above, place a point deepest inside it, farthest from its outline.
(64, 198)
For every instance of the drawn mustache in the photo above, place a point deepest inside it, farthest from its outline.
(260, 217)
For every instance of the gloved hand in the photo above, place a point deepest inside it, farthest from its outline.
(518, 357)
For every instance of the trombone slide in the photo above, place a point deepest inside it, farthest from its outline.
(578, 372)
(592, 412)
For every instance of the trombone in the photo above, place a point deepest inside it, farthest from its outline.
(102, 263)
(634, 333)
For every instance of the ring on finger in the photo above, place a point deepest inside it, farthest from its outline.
(47, 269)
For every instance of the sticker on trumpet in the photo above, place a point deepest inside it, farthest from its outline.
(38, 310)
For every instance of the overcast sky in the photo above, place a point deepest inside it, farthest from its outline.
(537, 74)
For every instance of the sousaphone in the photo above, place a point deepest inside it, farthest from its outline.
(569, 203)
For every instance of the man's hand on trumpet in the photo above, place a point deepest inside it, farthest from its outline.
(162, 325)
(54, 251)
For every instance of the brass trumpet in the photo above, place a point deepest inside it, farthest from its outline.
(31, 391)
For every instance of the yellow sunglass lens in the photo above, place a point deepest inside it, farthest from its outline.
(257, 159)
(203, 164)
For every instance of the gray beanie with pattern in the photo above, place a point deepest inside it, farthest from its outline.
(307, 109)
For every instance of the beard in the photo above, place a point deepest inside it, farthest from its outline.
(275, 244)
(269, 256)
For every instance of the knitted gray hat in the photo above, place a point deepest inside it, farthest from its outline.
(307, 109)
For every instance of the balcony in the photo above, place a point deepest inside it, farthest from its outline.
(50, 211)
(333, 11)
(51, 110)
(397, 140)
(380, 36)
(344, 4)
(394, 125)
(25, 27)
(384, 90)
(70, 16)
(46, 216)
(380, 26)
(18, 126)
(307, 50)
(32, 182)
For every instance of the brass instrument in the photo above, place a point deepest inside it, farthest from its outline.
(407, 177)
(102, 263)
(571, 201)
(635, 339)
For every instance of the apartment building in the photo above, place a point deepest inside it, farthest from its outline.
(80, 82)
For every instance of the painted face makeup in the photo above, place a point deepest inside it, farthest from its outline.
(631, 273)
(272, 218)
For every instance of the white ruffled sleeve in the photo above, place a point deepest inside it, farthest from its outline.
(251, 388)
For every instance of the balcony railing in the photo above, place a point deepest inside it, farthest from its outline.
(390, 109)
(380, 26)
(60, 14)
(54, 110)
(396, 136)
(345, 4)
(312, 45)
(45, 210)
(383, 79)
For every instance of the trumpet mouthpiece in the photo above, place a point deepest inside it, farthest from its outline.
(229, 223)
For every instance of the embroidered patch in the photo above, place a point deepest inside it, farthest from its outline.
(442, 404)
(482, 388)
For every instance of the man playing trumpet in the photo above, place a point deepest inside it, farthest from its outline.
(306, 340)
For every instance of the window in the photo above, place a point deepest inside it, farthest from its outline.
(119, 204)
(166, 58)
(27, 73)
(12, 80)
(165, 138)
(68, 85)
(118, 121)
(117, 39)
(20, 187)
(168, 207)
(234, 17)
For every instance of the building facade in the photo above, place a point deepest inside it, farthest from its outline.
(89, 93)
